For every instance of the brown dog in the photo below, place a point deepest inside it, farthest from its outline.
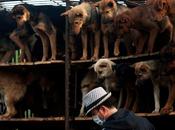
(41, 24)
(143, 19)
(88, 83)
(156, 71)
(109, 9)
(13, 87)
(83, 18)
(163, 8)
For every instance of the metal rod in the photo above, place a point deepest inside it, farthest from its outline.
(67, 71)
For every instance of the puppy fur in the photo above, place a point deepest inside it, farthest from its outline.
(155, 70)
(117, 79)
(144, 19)
(41, 24)
(108, 10)
(164, 8)
(84, 18)
(24, 37)
(13, 87)
(88, 83)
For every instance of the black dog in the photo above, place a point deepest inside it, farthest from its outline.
(42, 24)
(7, 48)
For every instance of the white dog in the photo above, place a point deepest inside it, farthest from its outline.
(100, 74)
(107, 73)
(104, 70)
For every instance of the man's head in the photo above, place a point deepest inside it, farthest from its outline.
(99, 104)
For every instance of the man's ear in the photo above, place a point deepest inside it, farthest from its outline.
(103, 110)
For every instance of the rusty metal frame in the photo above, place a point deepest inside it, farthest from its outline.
(67, 71)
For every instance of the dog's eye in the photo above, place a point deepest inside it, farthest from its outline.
(110, 4)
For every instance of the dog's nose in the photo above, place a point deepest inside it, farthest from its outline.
(76, 23)
(99, 72)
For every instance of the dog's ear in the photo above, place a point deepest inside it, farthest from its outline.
(133, 65)
(66, 13)
(161, 4)
(91, 67)
(113, 65)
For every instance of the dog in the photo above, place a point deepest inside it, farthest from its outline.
(144, 19)
(109, 9)
(41, 25)
(24, 37)
(13, 87)
(118, 78)
(7, 50)
(7, 47)
(89, 82)
(82, 19)
(156, 71)
(164, 8)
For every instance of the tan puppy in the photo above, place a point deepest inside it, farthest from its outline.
(13, 88)
(108, 10)
(155, 70)
(144, 71)
(83, 19)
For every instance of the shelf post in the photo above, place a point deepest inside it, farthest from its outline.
(67, 71)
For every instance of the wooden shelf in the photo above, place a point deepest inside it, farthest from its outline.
(130, 59)
(61, 118)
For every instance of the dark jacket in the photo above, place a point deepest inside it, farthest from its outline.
(127, 120)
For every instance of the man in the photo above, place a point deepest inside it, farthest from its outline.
(99, 103)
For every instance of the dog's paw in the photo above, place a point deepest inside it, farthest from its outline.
(81, 115)
(44, 58)
(83, 58)
(166, 110)
(116, 53)
(52, 59)
(6, 116)
(155, 111)
(105, 56)
(93, 58)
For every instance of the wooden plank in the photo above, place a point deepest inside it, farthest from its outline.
(40, 119)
